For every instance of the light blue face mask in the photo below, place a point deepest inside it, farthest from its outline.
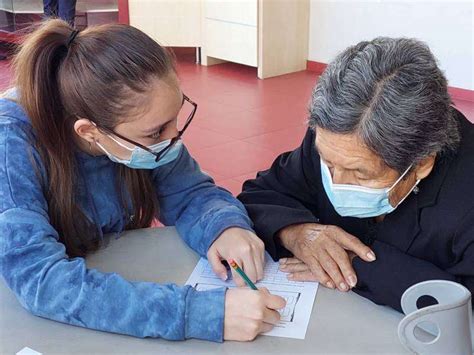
(141, 159)
(359, 201)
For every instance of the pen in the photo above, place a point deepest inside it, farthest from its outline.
(242, 274)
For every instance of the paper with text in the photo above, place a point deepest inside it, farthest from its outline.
(299, 296)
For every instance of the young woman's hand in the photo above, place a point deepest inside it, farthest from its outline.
(244, 247)
(249, 313)
(325, 252)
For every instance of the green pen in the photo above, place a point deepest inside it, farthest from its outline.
(242, 274)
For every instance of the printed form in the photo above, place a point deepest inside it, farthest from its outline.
(299, 296)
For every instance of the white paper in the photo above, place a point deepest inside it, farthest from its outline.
(28, 351)
(299, 296)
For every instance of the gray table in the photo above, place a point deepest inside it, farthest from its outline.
(341, 322)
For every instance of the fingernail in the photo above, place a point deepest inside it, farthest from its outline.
(371, 256)
(352, 281)
(329, 284)
(289, 276)
(224, 277)
(343, 286)
(283, 261)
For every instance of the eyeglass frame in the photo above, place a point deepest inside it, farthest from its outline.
(174, 140)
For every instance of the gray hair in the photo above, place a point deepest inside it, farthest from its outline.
(391, 93)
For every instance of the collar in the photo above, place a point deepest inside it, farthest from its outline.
(430, 186)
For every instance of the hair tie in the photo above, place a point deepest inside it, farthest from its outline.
(72, 36)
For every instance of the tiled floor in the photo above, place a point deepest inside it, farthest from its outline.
(242, 123)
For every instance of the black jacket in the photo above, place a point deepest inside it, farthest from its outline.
(429, 236)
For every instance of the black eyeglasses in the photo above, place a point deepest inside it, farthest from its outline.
(174, 140)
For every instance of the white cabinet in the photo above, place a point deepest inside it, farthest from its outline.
(271, 35)
(230, 31)
(174, 23)
(283, 36)
(243, 12)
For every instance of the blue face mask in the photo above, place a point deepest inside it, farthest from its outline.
(359, 201)
(141, 159)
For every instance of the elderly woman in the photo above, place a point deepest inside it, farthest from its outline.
(379, 196)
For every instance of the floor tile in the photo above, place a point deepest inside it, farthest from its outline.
(196, 138)
(280, 141)
(234, 159)
(250, 123)
(231, 185)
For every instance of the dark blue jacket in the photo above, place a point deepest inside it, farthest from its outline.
(429, 236)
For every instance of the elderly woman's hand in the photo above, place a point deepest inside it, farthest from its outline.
(323, 253)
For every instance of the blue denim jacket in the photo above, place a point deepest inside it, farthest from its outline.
(50, 284)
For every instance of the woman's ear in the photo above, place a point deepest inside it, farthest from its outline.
(86, 129)
(423, 168)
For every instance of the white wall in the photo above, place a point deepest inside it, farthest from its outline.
(446, 26)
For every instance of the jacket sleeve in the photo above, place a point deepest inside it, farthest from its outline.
(191, 201)
(284, 194)
(385, 280)
(49, 284)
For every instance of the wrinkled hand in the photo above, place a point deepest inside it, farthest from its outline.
(322, 253)
(299, 271)
(249, 313)
(244, 247)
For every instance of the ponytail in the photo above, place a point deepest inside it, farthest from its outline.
(36, 77)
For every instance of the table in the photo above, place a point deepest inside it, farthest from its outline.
(340, 323)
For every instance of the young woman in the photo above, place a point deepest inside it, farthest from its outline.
(90, 144)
